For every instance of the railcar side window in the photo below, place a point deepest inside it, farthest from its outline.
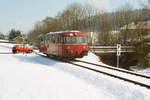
(58, 39)
(50, 40)
(46, 40)
(53, 39)
(42, 40)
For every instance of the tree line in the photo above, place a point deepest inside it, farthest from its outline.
(87, 18)
(12, 34)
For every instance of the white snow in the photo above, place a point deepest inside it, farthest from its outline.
(91, 57)
(4, 40)
(32, 77)
(144, 71)
(7, 45)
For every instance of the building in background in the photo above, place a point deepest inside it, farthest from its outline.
(18, 40)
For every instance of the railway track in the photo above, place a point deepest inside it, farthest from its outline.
(75, 62)
(137, 82)
(114, 68)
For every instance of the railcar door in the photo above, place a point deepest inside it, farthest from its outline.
(72, 44)
(60, 41)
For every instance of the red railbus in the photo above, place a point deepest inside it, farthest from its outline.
(69, 44)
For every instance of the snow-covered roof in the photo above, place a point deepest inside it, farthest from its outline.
(59, 32)
(18, 37)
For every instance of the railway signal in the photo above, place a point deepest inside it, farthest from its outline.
(118, 49)
(118, 53)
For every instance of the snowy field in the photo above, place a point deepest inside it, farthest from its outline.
(32, 77)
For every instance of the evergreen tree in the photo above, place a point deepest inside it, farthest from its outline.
(2, 36)
(13, 34)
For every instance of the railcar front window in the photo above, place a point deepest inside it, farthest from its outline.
(81, 39)
(69, 40)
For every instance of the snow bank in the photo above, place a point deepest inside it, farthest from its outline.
(144, 71)
(90, 57)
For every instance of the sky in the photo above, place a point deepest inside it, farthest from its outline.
(23, 14)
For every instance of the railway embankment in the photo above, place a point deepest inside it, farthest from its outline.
(126, 60)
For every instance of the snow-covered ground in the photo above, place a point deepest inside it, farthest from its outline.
(4, 40)
(32, 77)
(7, 45)
(144, 71)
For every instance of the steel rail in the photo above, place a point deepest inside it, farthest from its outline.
(117, 69)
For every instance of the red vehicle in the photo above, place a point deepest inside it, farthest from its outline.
(21, 48)
(70, 44)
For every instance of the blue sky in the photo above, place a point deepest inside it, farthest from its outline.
(23, 14)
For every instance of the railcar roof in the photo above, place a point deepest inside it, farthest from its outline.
(60, 32)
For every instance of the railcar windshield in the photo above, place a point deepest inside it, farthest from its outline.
(74, 40)
(81, 39)
(69, 40)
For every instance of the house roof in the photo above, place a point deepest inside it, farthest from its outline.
(18, 37)
(139, 25)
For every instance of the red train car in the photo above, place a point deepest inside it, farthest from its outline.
(70, 44)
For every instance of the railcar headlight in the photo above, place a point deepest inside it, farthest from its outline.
(71, 34)
(84, 47)
(68, 47)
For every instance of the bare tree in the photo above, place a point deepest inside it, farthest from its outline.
(33, 35)
(51, 24)
(125, 17)
(90, 17)
(70, 18)
(142, 38)
(90, 21)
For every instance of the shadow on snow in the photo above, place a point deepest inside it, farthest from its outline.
(36, 60)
